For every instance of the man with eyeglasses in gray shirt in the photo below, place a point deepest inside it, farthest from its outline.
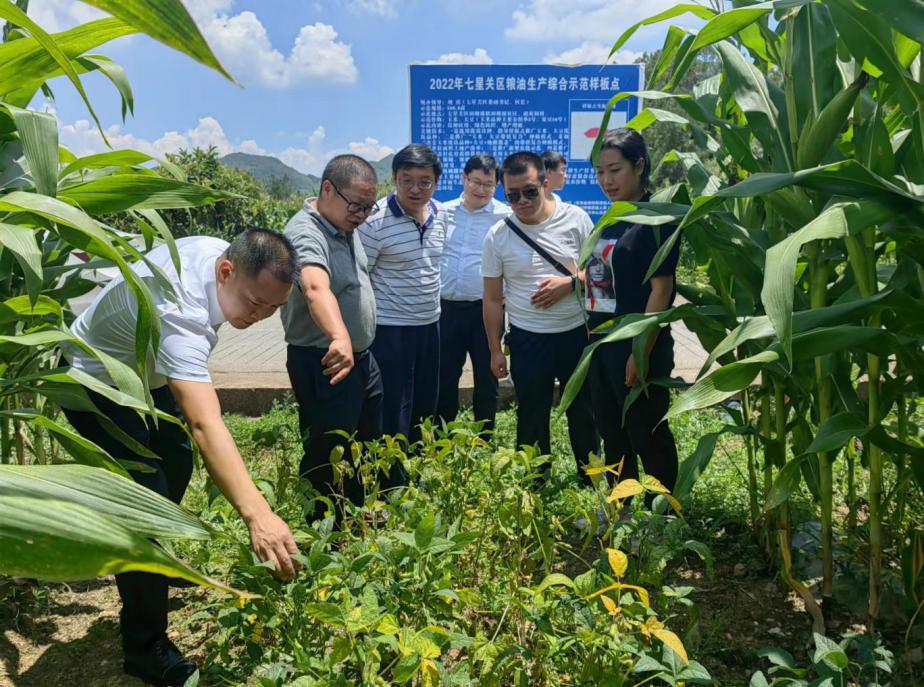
(330, 324)
(404, 240)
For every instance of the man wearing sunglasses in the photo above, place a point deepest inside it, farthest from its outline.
(530, 262)
(404, 239)
(462, 333)
(330, 325)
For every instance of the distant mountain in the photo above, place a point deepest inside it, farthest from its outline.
(265, 168)
(383, 168)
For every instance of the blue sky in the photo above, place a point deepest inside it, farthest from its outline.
(319, 77)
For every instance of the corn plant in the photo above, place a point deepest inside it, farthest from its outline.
(63, 522)
(807, 233)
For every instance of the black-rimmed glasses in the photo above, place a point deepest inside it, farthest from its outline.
(352, 207)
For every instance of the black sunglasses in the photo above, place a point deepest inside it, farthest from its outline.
(353, 208)
(528, 192)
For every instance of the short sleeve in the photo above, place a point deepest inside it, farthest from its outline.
(491, 264)
(184, 349)
(669, 267)
(584, 223)
(372, 245)
(311, 248)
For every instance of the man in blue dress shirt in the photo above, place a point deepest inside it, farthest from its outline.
(462, 333)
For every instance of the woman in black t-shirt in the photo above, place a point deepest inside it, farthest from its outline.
(615, 286)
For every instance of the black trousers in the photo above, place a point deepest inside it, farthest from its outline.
(143, 619)
(409, 358)
(643, 435)
(354, 405)
(536, 362)
(462, 334)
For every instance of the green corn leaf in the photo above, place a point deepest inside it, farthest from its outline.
(59, 541)
(17, 17)
(119, 158)
(905, 16)
(119, 192)
(82, 450)
(116, 74)
(38, 133)
(26, 61)
(836, 431)
(133, 506)
(720, 384)
(20, 241)
(814, 55)
(868, 36)
(756, 97)
(676, 11)
(728, 24)
(167, 21)
(779, 274)
(786, 482)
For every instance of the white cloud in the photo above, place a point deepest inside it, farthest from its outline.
(83, 138)
(243, 45)
(591, 52)
(480, 56)
(312, 158)
(580, 20)
(371, 149)
(378, 8)
(241, 42)
(60, 15)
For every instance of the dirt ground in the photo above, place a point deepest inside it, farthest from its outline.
(67, 635)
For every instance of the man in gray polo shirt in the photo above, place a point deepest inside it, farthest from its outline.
(330, 324)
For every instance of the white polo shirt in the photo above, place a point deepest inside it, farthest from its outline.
(188, 327)
(506, 255)
(460, 268)
(404, 263)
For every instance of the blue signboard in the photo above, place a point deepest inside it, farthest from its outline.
(461, 110)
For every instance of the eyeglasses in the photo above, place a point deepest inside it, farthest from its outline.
(406, 184)
(353, 208)
(485, 185)
(528, 192)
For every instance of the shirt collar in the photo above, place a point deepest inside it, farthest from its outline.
(320, 219)
(395, 207)
(487, 208)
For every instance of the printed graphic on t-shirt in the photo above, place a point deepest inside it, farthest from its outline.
(600, 295)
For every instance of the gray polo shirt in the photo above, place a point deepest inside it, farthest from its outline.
(317, 242)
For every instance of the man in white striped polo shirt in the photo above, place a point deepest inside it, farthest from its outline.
(403, 240)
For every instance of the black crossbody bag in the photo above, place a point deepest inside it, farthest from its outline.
(544, 254)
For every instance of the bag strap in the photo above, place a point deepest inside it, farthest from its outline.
(539, 249)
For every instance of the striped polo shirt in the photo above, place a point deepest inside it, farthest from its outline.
(404, 263)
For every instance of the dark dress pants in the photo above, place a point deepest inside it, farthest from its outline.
(354, 405)
(462, 334)
(409, 360)
(536, 362)
(643, 435)
(143, 619)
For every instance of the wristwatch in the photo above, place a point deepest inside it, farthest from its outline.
(574, 281)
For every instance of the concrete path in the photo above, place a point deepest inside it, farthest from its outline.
(249, 366)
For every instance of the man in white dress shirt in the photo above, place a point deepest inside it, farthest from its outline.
(468, 219)
(241, 283)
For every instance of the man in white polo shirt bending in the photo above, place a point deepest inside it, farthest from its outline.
(532, 258)
(240, 283)
(403, 240)
(461, 325)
